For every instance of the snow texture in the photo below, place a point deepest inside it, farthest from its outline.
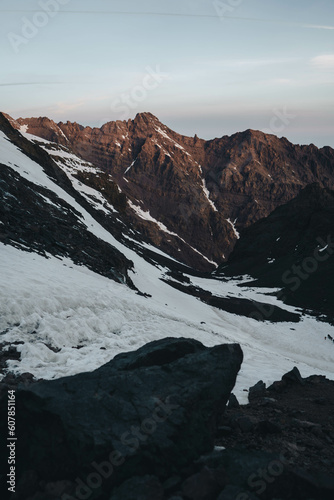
(54, 305)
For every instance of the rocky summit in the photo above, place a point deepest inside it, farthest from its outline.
(191, 197)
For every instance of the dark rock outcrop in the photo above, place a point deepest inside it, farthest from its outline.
(292, 249)
(236, 305)
(35, 219)
(141, 428)
(293, 417)
(149, 412)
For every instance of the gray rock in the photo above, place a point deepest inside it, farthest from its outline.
(233, 402)
(257, 391)
(245, 424)
(139, 488)
(293, 376)
(152, 411)
(201, 486)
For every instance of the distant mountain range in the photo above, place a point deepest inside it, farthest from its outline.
(134, 238)
(186, 196)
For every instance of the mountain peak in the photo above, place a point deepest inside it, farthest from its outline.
(145, 118)
(146, 115)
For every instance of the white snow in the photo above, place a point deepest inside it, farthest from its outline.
(23, 129)
(52, 301)
(205, 189)
(127, 170)
(147, 216)
(166, 136)
(62, 133)
(35, 138)
(323, 249)
(160, 147)
(234, 228)
(207, 195)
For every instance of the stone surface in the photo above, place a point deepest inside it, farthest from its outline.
(247, 176)
(152, 411)
(257, 390)
(292, 249)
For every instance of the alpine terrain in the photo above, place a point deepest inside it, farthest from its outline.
(166, 313)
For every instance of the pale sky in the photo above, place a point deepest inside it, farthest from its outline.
(218, 66)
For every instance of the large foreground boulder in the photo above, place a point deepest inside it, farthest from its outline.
(149, 412)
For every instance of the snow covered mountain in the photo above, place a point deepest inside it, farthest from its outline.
(191, 197)
(80, 284)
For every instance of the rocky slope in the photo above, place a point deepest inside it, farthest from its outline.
(149, 411)
(292, 249)
(36, 219)
(293, 416)
(143, 427)
(201, 192)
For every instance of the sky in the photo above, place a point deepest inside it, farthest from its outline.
(210, 67)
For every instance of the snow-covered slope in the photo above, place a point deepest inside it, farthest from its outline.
(70, 319)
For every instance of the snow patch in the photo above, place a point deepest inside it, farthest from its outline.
(237, 234)
(158, 129)
(23, 129)
(127, 170)
(207, 195)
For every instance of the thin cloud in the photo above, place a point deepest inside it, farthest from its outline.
(175, 14)
(15, 84)
(318, 27)
(324, 61)
(254, 63)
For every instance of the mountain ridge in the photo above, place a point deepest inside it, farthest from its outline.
(199, 193)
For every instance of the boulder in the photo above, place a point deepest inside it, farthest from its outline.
(149, 412)
(258, 390)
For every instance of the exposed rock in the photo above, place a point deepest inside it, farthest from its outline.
(292, 249)
(257, 390)
(245, 424)
(293, 424)
(139, 488)
(35, 219)
(196, 188)
(254, 474)
(293, 376)
(236, 305)
(269, 427)
(204, 485)
(233, 402)
(152, 411)
(53, 227)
